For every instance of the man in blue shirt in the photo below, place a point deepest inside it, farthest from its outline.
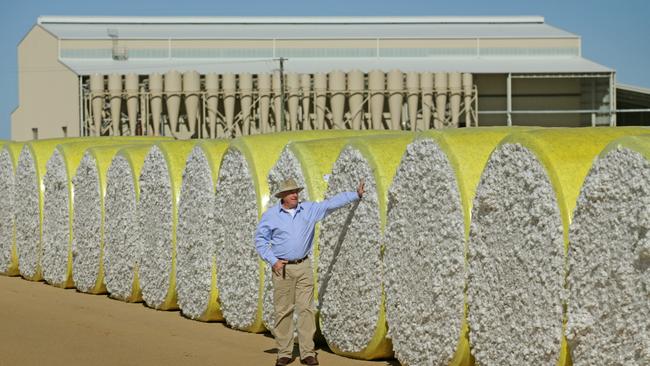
(284, 239)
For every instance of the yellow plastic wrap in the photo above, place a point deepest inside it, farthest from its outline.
(214, 151)
(383, 154)
(13, 148)
(175, 153)
(468, 151)
(103, 156)
(567, 155)
(72, 153)
(261, 153)
(41, 151)
(640, 144)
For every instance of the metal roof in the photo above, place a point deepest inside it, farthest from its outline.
(318, 28)
(633, 88)
(300, 27)
(634, 95)
(479, 65)
(289, 19)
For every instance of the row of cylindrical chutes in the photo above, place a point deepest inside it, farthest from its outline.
(336, 100)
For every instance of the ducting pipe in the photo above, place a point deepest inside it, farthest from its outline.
(246, 102)
(145, 130)
(337, 97)
(455, 88)
(441, 100)
(356, 86)
(191, 90)
(212, 103)
(173, 86)
(305, 87)
(115, 93)
(468, 85)
(376, 86)
(278, 106)
(264, 93)
(395, 98)
(156, 88)
(229, 90)
(97, 92)
(413, 94)
(320, 95)
(426, 83)
(293, 84)
(132, 86)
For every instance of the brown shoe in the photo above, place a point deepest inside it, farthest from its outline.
(283, 361)
(309, 360)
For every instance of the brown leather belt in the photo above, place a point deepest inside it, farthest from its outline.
(295, 261)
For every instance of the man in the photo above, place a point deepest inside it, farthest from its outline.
(284, 239)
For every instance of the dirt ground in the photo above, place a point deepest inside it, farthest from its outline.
(44, 325)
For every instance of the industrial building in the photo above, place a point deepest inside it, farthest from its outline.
(200, 77)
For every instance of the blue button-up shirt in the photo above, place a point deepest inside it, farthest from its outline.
(281, 235)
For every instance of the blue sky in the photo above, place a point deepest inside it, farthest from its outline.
(614, 33)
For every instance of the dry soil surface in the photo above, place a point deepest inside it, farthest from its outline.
(44, 325)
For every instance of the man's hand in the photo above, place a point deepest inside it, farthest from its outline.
(360, 188)
(277, 267)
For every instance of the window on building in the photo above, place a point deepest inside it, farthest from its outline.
(65, 131)
(34, 133)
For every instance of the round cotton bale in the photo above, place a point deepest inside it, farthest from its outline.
(122, 243)
(196, 274)
(517, 243)
(242, 195)
(160, 184)
(429, 207)
(351, 297)
(28, 203)
(58, 204)
(609, 259)
(88, 215)
(8, 256)
(310, 164)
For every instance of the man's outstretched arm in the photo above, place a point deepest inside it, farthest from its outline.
(324, 208)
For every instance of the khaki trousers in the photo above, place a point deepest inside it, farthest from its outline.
(294, 292)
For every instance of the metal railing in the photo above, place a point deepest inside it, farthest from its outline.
(594, 113)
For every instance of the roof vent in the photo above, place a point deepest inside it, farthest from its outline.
(118, 53)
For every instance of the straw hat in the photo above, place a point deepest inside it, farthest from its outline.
(286, 186)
